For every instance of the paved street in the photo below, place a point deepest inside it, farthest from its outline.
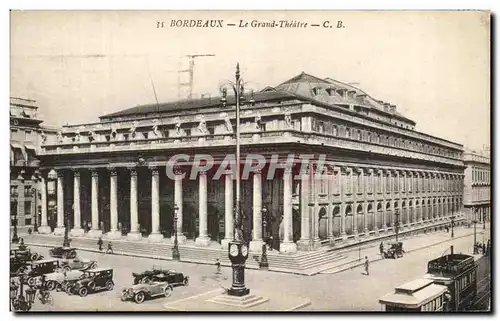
(349, 290)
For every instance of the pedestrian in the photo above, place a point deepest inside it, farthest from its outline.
(99, 242)
(367, 266)
(217, 264)
(447, 229)
(30, 231)
(110, 249)
(484, 249)
(381, 248)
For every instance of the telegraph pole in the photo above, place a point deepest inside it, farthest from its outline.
(190, 71)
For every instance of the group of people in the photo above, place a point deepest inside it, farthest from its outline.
(100, 243)
(484, 248)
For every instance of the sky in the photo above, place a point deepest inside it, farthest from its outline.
(434, 66)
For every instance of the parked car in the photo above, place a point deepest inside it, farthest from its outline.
(92, 281)
(17, 266)
(78, 264)
(55, 280)
(172, 277)
(37, 268)
(140, 292)
(25, 255)
(63, 252)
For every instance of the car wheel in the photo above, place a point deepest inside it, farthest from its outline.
(34, 257)
(67, 268)
(93, 266)
(83, 292)
(186, 281)
(168, 291)
(139, 297)
(109, 285)
(124, 297)
(59, 288)
(68, 290)
(31, 281)
(51, 285)
(72, 254)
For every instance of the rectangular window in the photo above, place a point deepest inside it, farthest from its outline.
(27, 135)
(348, 183)
(27, 207)
(359, 185)
(27, 191)
(388, 183)
(336, 182)
(27, 221)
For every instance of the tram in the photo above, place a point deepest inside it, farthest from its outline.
(420, 295)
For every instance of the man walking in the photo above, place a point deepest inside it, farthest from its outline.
(217, 264)
(99, 242)
(381, 248)
(110, 249)
(367, 266)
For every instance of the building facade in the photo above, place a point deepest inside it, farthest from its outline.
(26, 135)
(377, 170)
(477, 187)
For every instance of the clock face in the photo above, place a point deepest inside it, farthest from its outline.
(244, 250)
(233, 250)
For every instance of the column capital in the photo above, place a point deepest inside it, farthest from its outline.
(133, 171)
(76, 172)
(60, 173)
(177, 170)
(154, 170)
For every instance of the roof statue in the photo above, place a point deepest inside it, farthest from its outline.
(258, 122)
(156, 132)
(60, 137)
(178, 131)
(43, 138)
(288, 120)
(227, 124)
(202, 127)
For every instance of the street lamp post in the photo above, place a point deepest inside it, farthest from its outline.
(452, 221)
(15, 238)
(66, 241)
(475, 242)
(396, 227)
(264, 264)
(21, 300)
(237, 250)
(175, 250)
(484, 218)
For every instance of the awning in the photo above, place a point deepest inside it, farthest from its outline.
(16, 145)
(29, 146)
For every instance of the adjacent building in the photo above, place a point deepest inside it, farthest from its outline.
(26, 136)
(477, 187)
(380, 171)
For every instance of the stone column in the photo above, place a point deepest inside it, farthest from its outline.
(344, 177)
(202, 239)
(287, 246)
(181, 238)
(384, 193)
(155, 235)
(355, 203)
(228, 211)
(77, 224)
(44, 227)
(59, 230)
(94, 210)
(317, 184)
(134, 233)
(368, 188)
(114, 233)
(304, 244)
(256, 242)
(331, 175)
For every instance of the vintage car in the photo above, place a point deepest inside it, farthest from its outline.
(17, 266)
(25, 255)
(37, 268)
(78, 264)
(92, 281)
(140, 292)
(63, 252)
(55, 280)
(394, 250)
(147, 275)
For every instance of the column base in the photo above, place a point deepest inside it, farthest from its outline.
(113, 235)
(225, 243)
(44, 229)
(181, 239)
(155, 237)
(59, 231)
(343, 235)
(94, 233)
(77, 232)
(316, 244)
(256, 246)
(134, 236)
(304, 245)
(288, 247)
(202, 241)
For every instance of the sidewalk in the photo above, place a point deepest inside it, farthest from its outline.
(355, 257)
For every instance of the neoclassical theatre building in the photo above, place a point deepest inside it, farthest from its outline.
(111, 175)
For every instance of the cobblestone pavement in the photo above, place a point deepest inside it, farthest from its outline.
(349, 290)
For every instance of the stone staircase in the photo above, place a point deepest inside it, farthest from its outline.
(305, 263)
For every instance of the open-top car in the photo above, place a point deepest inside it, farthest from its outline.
(37, 268)
(92, 281)
(78, 264)
(394, 250)
(25, 255)
(147, 275)
(63, 252)
(55, 280)
(140, 292)
(173, 278)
